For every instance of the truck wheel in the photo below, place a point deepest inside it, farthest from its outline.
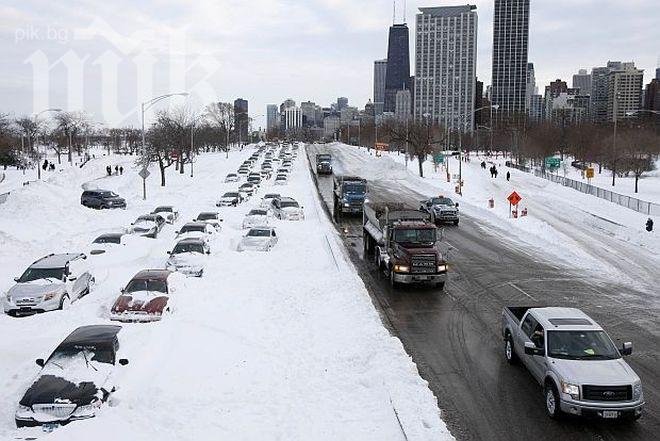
(552, 403)
(456, 222)
(440, 285)
(509, 352)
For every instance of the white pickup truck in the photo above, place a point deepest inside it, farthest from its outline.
(580, 369)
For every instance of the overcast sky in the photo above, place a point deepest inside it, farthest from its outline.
(108, 56)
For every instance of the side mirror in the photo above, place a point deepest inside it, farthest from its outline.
(627, 348)
(16, 279)
(456, 204)
(208, 252)
(40, 362)
(531, 349)
(72, 278)
(176, 232)
(169, 252)
(123, 361)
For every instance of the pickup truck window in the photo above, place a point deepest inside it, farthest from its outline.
(528, 325)
(581, 345)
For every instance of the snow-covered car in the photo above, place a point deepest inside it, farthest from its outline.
(265, 174)
(247, 189)
(281, 179)
(212, 218)
(258, 239)
(282, 171)
(267, 200)
(257, 217)
(231, 177)
(50, 283)
(254, 180)
(144, 299)
(168, 212)
(287, 209)
(200, 230)
(243, 171)
(106, 242)
(188, 257)
(267, 167)
(75, 380)
(230, 199)
(146, 228)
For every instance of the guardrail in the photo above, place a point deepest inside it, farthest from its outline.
(629, 202)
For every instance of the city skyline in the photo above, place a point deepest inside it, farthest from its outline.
(564, 37)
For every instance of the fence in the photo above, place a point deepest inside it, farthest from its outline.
(635, 204)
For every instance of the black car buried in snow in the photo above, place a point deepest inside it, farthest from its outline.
(74, 382)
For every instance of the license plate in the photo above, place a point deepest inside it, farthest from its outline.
(423, 278)
(610, 414)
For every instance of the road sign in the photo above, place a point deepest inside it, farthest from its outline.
(382, 146)
(590, 173)
(514, 198)
(552, 162)
(439, 158)
(144, 173)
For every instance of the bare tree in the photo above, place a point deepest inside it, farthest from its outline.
(639, 148)
(222, 116)
(422, 138)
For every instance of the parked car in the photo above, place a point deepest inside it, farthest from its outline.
(101, 199)
(188, 256)
(105, 242)
(258, 239)
(248, 189)
(577, 364)
(287, 209)
(75, 381)
(265, 174)
(282, 171)
(148, 225)
(441, 209)
(144, 299)
(230, 199)
(50, 283)
(231, 177)
(254, 180)
(210, 217)
(257, 217)
(267, 200)
(281, 180)
(243, 170)
(195, 230)
(168, 212)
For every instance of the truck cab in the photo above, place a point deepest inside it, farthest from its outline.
(579, 367)
(349, 193)
(324, 164)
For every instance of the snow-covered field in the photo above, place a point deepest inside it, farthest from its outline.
(581, 231)
(284, 345)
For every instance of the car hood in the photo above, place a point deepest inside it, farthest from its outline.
(144, 226)
(596, 372)
(49, 389)
(227, 199)
(141, 301)
(354, 197)
(35, 288)
(186, 259)
(250, 241)
(256, 219)
(115, 199)
(445, 207)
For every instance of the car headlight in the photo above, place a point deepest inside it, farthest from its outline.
(50, 295)
(401, 269)
(346, 204)
(637, 391)
(23, 409)
(442, 268)
(8, 297)
(571, 389)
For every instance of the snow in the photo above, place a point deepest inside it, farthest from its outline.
(279, 345)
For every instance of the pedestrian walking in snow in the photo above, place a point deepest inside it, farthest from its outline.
(108, 170)
(121, 170)
(649, 225)
(45, 166)
(508, 176)
(116, 170)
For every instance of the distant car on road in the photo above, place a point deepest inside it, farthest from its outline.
(195, 230)
(188, 256)
(247, 189)
(258, 239)
(231, 177)
(50, 283)
(101, 199)
(257, 217)
(254, 180)
(212, 218)
(230, 199)
(144, 299)
(148, 225)
(287, 209)
(441, 209)
(168, 212)
(281, 179)
(267, 200)
(75, 381)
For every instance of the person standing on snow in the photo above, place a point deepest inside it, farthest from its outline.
(649, 225)
(508, 175)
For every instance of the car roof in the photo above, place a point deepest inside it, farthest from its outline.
(91, 335)
(271, 195)
(566, 319)
(287, 199)
(108, 235)
(262, 228)
(195, 224)
(191, 240)
(152, 274)
(56, 260)
(206, 213)
(164, 207)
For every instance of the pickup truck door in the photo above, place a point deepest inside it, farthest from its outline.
(531, 331)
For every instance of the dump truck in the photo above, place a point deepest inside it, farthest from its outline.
(349, 193)
(324, 164)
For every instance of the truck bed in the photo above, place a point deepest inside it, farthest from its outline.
(517, 312)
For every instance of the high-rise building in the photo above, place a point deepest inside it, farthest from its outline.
(657, 73)
(342, 103)
(652, 95)
(380, 67)
(479, 102)
(272, 117)
(308, 109)
(510, 45)
(536, 111)
(286, 104)
(397, 73)
(292, 118)
(445, 65)
(599, 92)
(624, 91)
(331, 125)
(582, 81)
(403, 105)
(530, 88)
(241, 119)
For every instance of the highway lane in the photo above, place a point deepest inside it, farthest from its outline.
(454, 336)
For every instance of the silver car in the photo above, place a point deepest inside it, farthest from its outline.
(258, 239)
(50, 283)
(287, 209)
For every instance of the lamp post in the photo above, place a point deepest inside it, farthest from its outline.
(35, 128)
(145, 106)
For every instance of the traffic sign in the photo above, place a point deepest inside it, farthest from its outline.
(439, 159)
(514, 198)
(144, 173)
(552, 162)
(590, 173)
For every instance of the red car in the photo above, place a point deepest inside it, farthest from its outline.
(144, 299)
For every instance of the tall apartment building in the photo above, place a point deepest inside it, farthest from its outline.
(624, 91)
(530, 88)
(272, 117)
(536, 112)
(652, 95)
(510, 46)
(380, 67)
(397, 73)
(342, 103)
(445, 66)
(403, 105)
(241, 119)
(308, 109)
(582, 81)
(286, 104)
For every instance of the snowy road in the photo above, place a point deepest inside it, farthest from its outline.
(454, 336)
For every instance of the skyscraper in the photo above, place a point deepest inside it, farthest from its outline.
(510, 44)
(403, 105)
(624, 91)
(272, 117)
(380, 68)
(397, 73)
(530, 88)
(241, 119)
(342, 103)
(582, 81)
(445, 65)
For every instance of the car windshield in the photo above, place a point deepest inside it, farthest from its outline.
(442, 201)
(231, 175)
(31, 274)
(288, 204)
(230, 195)
(410, 235)
(581, 345)
(188, 248)
(207, 216)
(108, 239)
(109, 194)
(189, 228)
(355, 188)
(146, 285)
(259, 233)
(163, 210)
(86, 355)
(271, 196)
(257, 213)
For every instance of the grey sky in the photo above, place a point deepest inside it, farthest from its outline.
(268, 50)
